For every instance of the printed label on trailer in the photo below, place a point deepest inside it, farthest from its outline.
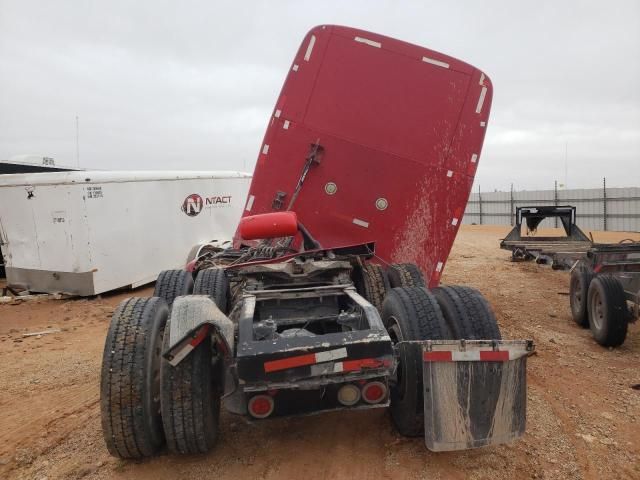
(94, 192)
(194, 203)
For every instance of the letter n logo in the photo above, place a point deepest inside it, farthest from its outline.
(192, 205)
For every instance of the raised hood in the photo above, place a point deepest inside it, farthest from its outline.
(391, 133)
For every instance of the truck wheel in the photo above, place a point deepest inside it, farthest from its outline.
(411, 313)
(214, 283)
(455, 313)
(173, 283)
(608, 312)
(578, 290)
(477, 315)
(372, 283)
(191, 393)
(130, 378)
(405, 275)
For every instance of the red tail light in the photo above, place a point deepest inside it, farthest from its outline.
(374, 392)
(261, 406)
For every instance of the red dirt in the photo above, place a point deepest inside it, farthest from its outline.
(583, 415)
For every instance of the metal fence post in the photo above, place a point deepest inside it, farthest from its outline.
(555, 200)
(480, 203)
(604, 203)
(511, 213)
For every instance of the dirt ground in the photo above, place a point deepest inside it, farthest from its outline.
(583, 414)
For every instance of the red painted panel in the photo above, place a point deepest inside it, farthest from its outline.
(402, 129)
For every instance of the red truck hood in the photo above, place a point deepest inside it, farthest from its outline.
(401, 129)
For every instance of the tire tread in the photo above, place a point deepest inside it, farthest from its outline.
(123, 379)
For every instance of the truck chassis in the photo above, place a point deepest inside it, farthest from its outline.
(302, 333)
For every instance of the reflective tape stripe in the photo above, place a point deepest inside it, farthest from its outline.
(467, 356)
(483, 93)
(307, 54)
(368, 42)
(250, 203)
(291, 362)
(304, 360)
(361, 223)
(348, 366)
(438, 63)
(438, 357)
(200, 336)
(353, 365)
(495, 356)
(186, 348)
(331, 355)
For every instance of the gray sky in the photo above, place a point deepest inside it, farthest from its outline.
(191, 85)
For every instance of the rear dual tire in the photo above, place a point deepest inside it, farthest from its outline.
(405, 275)
(467, 313)
(415, 313)
(213, 282)
(372, 283)
(411, 313)
(190, 402)
(171, 284)
(191, 390)
(130, 378)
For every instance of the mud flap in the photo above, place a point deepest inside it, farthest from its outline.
(474, 392)
(192, 319)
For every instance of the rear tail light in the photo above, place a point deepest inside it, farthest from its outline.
(348, 395)
(374, 392)
(261, 406)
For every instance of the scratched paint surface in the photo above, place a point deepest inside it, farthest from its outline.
(393, 126)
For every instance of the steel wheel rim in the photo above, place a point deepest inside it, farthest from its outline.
(396, 336)
(576, 298)
(597, 310)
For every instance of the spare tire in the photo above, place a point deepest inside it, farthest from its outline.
(411, 313)
(405, 275)
(173, 283)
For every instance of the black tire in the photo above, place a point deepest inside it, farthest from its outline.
(173, 283)
(405, 275)
(214, 283)
(608, 312)
(412, 313)
(191, 395)
(130, 378)
(455, 313)
(578, 290)
(478, 312)
(372, 283)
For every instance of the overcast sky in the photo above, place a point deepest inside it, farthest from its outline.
(191, 85)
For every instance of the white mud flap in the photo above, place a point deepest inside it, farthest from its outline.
(474, 392)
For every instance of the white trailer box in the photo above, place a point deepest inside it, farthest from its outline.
(84, 233)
